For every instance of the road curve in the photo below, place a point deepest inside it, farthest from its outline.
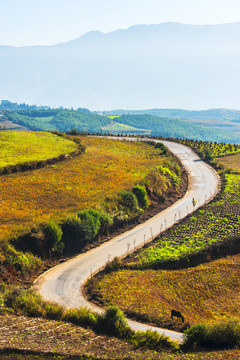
(64, 283)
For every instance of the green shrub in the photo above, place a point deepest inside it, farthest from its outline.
(80, 229)
(207, 153)
(128, 200)
(162, 147)
(54, 311)
(2, 303)
(195, 335)
(90, 223)
(170, 175)
(82, 317)
(73, 238)
(114, 323)
(73, 131)
(53, 234)
(21, 262)
(153, 340)
(223, 334)
(156, 183)
(175, 180)
(177, 169)
(106, 221)
(141, 195)
(32, 304)
(26, 300)
(159, 145)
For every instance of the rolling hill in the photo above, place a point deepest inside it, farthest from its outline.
(65, 120)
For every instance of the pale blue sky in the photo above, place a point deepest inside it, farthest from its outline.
(39, 22)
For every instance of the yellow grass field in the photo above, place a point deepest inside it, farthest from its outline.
(33, 197)
(205, 293)
(17, 147)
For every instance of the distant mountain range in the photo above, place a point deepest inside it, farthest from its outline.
(167, 65)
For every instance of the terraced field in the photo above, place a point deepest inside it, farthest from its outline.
(57, 337)
(23, 338)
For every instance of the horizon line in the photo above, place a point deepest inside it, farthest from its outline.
(118, 29)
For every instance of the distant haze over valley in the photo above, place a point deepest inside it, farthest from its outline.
(170, 65)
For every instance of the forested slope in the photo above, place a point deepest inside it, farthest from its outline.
(177, 128)
(58, 119)
(65, 120)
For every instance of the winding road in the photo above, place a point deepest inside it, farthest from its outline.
(64, 283)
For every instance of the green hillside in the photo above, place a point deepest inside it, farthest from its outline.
(65, 120)
(58, 119)
(177, 128)
(215, 114)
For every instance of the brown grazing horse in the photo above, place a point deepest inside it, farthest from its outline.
(177, 314)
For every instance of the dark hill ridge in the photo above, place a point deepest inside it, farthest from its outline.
(145, 66)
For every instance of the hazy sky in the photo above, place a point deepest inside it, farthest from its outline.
(35, 22)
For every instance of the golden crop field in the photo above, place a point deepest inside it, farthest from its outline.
(17, 147)
(204, 293)
(34, 197)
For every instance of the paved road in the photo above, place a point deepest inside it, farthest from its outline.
(64, 283)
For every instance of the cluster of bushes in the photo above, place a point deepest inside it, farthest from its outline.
(160, 179)
(21, 262)
(135, 199)
(111, 322)
(222, 334)
(159, 145)
(84, 227)
(88, 225)
(75, 232)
